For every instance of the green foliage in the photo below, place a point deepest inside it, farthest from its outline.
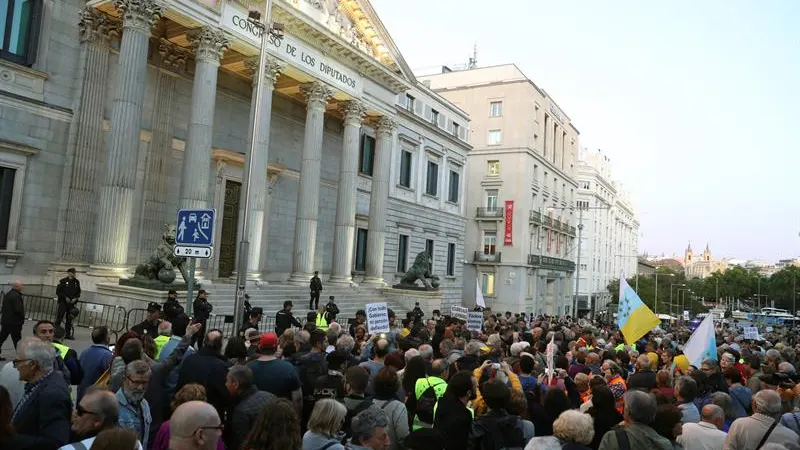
(735, 283)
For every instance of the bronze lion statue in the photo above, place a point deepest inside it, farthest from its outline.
(421, 270)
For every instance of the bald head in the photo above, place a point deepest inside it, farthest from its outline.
(713, 414)
(17, 285)
(187, 419)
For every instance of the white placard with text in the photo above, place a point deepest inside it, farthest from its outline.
(459, 312)
(377, 318)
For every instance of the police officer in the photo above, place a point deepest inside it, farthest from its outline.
(68, 293)
(253, 319)
(150, 324)
(331, 310)
(316, 288)
(172, 308)
(284, 318)
(202, 311)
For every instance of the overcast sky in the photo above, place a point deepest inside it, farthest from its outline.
(695, 102)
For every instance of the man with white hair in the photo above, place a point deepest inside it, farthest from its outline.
(786, 367)
(762, 427)
(644, 378)
(706, 434)
(41, 419)
(639, 413)
(194, 425)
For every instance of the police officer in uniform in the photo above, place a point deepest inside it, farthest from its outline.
(331, 310)
(68, 293)
(150, 324)
(284, 319)
(253, 319)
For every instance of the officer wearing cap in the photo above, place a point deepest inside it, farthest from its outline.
(253, 319)
(68, 293)
(284, 318)
(150, 324)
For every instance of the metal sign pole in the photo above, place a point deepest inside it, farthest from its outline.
(190, 286)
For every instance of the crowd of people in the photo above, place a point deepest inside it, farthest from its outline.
(533, 382)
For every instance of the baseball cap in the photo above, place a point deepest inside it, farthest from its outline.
(256, 311)
(153, 307)
(172, 291)
(268, 341)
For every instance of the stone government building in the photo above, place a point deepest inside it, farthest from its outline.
(117, 113)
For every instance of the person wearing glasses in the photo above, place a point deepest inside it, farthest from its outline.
(195, 426)
(41, 418)
(134, 410)
(96, 412)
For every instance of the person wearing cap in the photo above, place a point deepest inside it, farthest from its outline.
(202, 311)
(253, 319)
(331, 310)
(275, 375)
(316, 288)
(172, 309)
(150, 324)
(68, 293)
(284, 319)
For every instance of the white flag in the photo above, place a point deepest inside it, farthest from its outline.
(479, 295)
(550, 354)
(702, 344)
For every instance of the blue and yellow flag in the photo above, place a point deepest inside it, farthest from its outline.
(634, 318)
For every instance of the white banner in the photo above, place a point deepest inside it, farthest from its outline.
(750, 333)
(459, 312)
(293, 51)
(377, 318)
(475, 321)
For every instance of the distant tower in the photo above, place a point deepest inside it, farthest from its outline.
(687, 258)
(473, 61)
(706, 254)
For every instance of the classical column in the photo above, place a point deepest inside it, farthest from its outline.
(259, 215)
(305, 230)
(379, 199)
(344, 233)
(116, 193)
(77, 215)
(154, 207)
(209, 44)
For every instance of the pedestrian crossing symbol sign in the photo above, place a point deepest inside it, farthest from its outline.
(195, 228)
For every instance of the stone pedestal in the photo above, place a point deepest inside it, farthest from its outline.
(428, 300)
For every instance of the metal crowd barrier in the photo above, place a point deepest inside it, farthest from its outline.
(90, 314)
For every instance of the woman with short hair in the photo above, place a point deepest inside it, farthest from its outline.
(324, 425)
(572, 430)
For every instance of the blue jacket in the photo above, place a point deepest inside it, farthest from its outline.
(43, 416)
(94, 361)
(130, 418)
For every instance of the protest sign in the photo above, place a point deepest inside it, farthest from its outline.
(750, 333)
(475, 321)
(459, 312)
(377, 318)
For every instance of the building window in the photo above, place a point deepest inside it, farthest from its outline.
(451, 260)
(495, 109)
(493, 168)
(19, 30)
(366, 157)
(491, 199)
(7, 175)
(432, 183)
(452, 195)
(456, 129)
(495, 137)
(405, 168)
(361, 250)
(429, 250)
(410, 102)
(487, 284)
(489, 244)
(402, 253)
(583, 204)
(585, 185)
(435, 117)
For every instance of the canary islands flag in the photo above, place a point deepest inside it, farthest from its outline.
(634, 318)
(703, 343)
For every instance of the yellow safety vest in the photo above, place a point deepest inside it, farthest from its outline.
(160, 341)
(321, 323)
(62, 350)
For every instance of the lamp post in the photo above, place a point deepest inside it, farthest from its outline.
(267, 29)
(670, 294)
(681, 299)
(655, 306)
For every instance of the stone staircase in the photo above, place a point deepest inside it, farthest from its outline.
(271, 296)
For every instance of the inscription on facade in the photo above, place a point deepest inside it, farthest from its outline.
(293, 51)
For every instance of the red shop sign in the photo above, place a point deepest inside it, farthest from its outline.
(507, 236)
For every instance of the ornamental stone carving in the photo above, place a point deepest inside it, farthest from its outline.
(354, 112)
(139, 15)
(172, 57)
(95, 26)
(209, 43)
(273, 65)
(316, 94)
(386, 125)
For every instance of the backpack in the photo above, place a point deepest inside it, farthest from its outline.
(427, 401)
(310, 370)
(348, 419)
(507, 435)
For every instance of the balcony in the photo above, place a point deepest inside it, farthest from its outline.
(571, 230)
(492, 213)
(556, 224)
(536, 217)
(481, 257)
(547, 262)
(548, 221)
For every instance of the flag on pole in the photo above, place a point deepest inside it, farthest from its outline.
(550, 354)
(479, 295)
(634, 318)
(702, 344)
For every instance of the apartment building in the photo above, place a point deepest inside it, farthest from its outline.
(520, 232)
